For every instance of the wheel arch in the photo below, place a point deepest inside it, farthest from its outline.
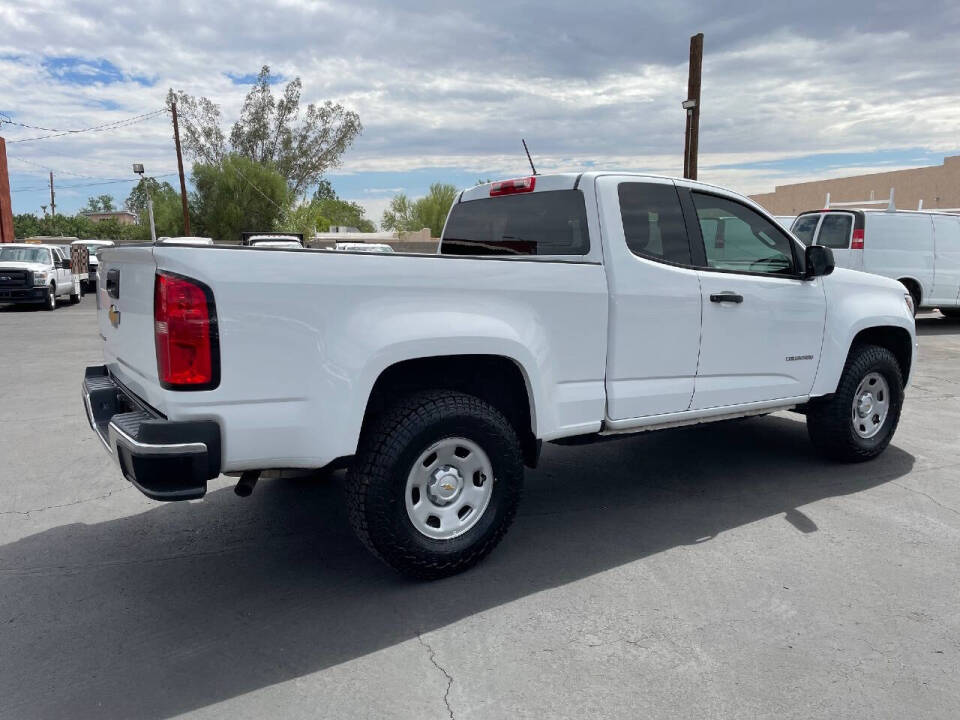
(501, 380)
(914, 287)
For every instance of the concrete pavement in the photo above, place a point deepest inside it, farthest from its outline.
(722, 571)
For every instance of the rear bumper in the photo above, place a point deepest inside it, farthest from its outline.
(164, 459)
(23, 295)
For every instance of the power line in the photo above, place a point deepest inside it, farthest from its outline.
(52, 169)
(113, 181)
(114, 125)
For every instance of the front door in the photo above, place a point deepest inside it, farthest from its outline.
(654, 317)
(762, 324)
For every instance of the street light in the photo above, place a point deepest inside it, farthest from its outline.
(138, 169)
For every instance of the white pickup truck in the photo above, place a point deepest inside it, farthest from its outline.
(560, 308)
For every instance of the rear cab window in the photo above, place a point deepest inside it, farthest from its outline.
(653, 224)
(551, 222)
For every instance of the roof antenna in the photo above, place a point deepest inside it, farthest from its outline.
(529, 159)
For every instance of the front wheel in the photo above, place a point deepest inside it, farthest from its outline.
(50, 301)
(857, 422)
(435, 483)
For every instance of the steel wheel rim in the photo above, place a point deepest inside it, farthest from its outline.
(871, 405)
(449, 488)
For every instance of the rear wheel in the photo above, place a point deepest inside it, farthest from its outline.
(857, 422)
(435, 483)
(76, 295)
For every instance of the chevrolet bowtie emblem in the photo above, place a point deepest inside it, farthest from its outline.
(114, 316)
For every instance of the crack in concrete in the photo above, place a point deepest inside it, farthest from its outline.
(26, 513)
(931, 498)
(438, 666)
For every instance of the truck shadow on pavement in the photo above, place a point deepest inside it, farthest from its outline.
(186, 605)
(937, 325)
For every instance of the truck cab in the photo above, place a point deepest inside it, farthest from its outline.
(37, 274)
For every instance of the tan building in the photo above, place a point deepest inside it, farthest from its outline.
(124, 217)
(937, 186)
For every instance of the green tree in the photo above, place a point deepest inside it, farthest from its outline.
(272, 131)
(429, 211)
(26, 225)
(236, 195)
(100, 203)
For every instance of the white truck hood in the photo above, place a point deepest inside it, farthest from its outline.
(16, 265)
(856, 277)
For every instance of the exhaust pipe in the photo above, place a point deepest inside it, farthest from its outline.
(247, 482)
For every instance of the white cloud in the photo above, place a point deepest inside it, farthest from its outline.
(455, 87)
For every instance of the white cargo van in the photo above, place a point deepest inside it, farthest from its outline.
(921, 249)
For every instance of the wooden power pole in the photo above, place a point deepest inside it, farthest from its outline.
(53, 204)
(691, 145)
(183, 183)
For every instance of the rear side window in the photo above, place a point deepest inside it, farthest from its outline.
(538, 223)
(835, 231)
(653, 224)
(804, 227)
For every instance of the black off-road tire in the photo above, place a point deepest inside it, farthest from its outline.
(376, 482)
(829, 419)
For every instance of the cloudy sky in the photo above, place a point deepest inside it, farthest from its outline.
(791, 91)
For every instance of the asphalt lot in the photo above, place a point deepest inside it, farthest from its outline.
(722, 571)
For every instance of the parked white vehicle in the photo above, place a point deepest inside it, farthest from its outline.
(93, 247)
(562, 308)
(185, 240)
(363, 247)
(921, 249)
(785, 220)
(38, 274)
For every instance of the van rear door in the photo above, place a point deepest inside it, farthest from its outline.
(839, 230)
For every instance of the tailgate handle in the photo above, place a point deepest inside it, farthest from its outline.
(726, 297)
(113, 283)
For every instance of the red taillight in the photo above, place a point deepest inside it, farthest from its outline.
(512, 187)
(185, 331)
(857, 243)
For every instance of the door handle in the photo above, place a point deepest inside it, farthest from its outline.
(726, 297)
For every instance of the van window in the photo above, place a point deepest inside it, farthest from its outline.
(804, 227)
(739, 239)
(835, 231)
(538, 223)
(653, 224)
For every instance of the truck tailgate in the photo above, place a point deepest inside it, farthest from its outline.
(125, 297)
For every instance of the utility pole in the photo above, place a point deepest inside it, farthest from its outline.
(138, 169)
(53, 204)
(691, 143)
(183, 184)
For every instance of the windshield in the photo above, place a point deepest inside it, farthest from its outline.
(21, 254)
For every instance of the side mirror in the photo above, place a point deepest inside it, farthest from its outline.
(819, 261)
(65, 264)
